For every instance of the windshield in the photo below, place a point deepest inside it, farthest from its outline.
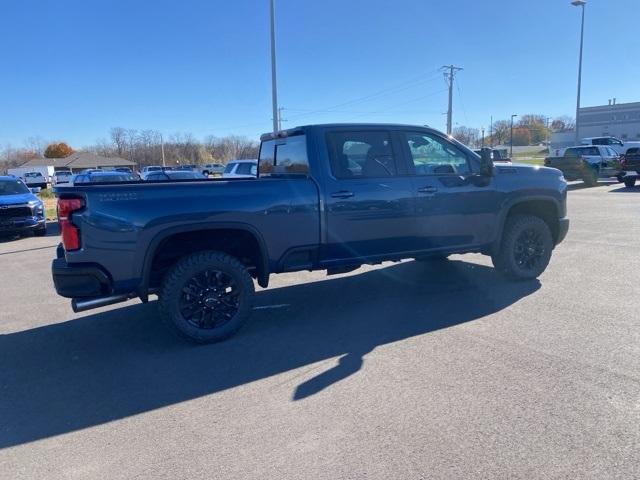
(32, 174)
(12, 187)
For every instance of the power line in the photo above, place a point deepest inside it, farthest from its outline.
(381, 93)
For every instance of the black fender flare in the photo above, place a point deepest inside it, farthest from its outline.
(263, 270)
(506, 208)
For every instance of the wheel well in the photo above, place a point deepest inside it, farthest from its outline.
(544, 209)
(238, 243)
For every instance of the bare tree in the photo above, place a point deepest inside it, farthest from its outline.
(501, 130)
(563, 123)
(119, 140)
(466, 135)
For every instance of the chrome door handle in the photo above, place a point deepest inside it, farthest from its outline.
(429, 189)
(342, 194)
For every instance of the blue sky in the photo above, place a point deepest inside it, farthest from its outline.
(72, 69)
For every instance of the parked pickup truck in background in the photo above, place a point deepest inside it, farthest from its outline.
(586, 163)
(615, 144)
(630, 167)
(330, 197)
(497, 155)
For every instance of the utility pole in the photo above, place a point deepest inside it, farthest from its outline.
(579, 3)
(274, 88)
(280, 119)
(491, 132)
(511, 139)
(449, 75)
(482, 137)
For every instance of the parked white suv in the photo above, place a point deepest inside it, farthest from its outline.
(34, 179)
(241, 169)
(61, 176)
(212, 169)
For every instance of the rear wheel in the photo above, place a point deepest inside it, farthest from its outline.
(207, 296)
(525, 249)
(629, 182)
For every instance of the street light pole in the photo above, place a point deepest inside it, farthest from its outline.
(274, 88)
(579, 3)
(511, 140)
(162, 149)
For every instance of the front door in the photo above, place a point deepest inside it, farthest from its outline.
(454, 207)
(369, 201)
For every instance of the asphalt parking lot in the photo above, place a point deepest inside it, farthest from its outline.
(397, 371)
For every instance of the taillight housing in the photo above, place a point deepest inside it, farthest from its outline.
(69, 232)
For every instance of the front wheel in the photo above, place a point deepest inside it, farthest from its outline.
(207, 296)
(525, 249)
(629, 182)
(41, 232)
(590, 178)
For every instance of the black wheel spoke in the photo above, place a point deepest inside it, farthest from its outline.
(209, 299)
(529, 249)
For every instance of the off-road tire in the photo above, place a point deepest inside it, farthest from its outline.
(172, 294)
(41, 232)
(509, 259)
(629, 182)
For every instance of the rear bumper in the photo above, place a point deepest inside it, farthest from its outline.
(79, 280)
(627, 174)
(563, 228)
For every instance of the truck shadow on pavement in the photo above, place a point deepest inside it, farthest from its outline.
(107, 366)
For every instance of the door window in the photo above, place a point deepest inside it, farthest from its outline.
(246, 168)
(432, 155)
(365, 154)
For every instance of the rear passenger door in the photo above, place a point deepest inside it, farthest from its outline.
(369, 203)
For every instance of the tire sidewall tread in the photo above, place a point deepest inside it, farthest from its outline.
(504, 261)
(181, 272)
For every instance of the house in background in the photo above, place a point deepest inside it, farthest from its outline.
(76, 162)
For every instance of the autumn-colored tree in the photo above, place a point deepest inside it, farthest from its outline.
(521, 136)
(58, 150)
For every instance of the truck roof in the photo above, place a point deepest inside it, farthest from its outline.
(302, 128)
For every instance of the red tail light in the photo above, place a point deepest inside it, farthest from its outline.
(69, 232)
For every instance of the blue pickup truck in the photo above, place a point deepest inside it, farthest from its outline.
(327, 197)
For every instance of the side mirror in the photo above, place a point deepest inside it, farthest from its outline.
(486, 164)
(35, 189)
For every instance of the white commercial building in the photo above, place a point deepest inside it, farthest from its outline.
(620, 120)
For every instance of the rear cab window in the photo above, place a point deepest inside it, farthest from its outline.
(284, 156)
(361, 154)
